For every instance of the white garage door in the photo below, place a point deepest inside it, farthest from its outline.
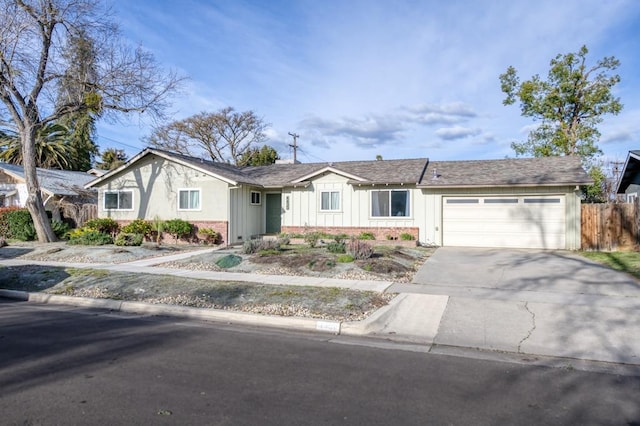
(526, 222)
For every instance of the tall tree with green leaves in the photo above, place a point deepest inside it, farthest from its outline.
(111, 158)
(259, 156)
(51, 151)
(32, 36)
(568, 105)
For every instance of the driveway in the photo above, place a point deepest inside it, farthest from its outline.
(552, 303)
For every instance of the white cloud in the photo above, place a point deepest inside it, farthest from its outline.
(456, 132)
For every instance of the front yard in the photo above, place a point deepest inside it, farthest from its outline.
(624, 261)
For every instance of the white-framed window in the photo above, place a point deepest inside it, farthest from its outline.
(118, 200)
(390, 203)
(632, 197)
(256, 199)
(329, 200)
(188, 199)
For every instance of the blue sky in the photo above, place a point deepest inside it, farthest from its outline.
(402, 79)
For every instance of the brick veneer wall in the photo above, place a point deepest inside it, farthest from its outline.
(380, 233)
(219, 226)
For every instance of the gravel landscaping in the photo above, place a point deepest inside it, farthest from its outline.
(389, 263)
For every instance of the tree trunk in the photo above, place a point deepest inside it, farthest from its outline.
(34, 199)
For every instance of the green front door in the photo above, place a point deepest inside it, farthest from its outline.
(274, 213)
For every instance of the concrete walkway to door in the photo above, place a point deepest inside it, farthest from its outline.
(552, 303)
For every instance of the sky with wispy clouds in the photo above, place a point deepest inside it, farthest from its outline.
(360, 78)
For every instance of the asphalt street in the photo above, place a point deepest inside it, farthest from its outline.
(69, 365)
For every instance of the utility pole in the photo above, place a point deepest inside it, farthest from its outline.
(294, 146)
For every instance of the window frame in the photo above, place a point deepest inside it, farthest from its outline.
(390, 216)
(259, 202)
(331, 209)
(189, 191)
(117, 192)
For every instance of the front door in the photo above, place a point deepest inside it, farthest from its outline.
(274, 213)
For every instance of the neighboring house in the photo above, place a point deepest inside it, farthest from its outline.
(487, 203)
(629, 183)
(55, 185)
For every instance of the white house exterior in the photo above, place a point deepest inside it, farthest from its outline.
(531, 203)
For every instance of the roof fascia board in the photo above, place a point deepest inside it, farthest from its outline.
(514, 185)
(630, 156)
(332, 170)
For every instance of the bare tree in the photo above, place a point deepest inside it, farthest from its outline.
(225, 135)
(33, 36)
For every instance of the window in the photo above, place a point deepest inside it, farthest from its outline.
(542, 200)
(501, 201)
(189, 199)
(330, 200)
(463, 201)
(118, 200)
(255, 198)
(394, 203)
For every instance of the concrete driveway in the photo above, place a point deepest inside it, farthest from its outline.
(552, 303)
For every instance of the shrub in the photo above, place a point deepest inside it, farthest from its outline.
(104, 225)
(359, 249)
(312, 238)
(89, 237)
(19, 224)
(337, 247)
(405, 236)
(284, 240)
(254, 246)
(4, 220)
(366, 236)
(211, 236)
(340, 238)
(60, 228)
(344, 258)
(139, 226)
(178, 228)
(128, 239)
(229, 261)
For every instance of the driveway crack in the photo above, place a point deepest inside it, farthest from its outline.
(533, 326)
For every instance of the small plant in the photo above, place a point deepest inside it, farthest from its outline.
(229, 261)
(344, 258)
(340, 238)
(405, 236)
(368, 267)
(158, 228)
(211, 236)
(337, 247)
(178, 228)
(88, 237)
(128, 239)
(139, 226)
(312, 239)
(391, 237)
(3, 242)
(284, 240)
(251, 246)
(104, 225)
(359, 249)
(366, 236)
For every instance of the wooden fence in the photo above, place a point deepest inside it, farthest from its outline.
(610, 227)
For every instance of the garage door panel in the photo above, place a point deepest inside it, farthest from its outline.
(525, 221)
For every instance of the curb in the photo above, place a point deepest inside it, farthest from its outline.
(229, 317)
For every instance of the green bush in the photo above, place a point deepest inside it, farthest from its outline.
(359, 249)
(89, 237)
(104, 225)
(178, 228)
(336, 247)
(344, 258)
(138, 226)
(254, 246)
(60, 228)
(128, 239)
(405, 236)
(211, 236)
(312, 238)
(366, 236)
(4, 220)
(19, 225)
(229, 261)
(340, 238)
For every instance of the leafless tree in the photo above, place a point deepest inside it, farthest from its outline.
(33, 36)
(224, 135)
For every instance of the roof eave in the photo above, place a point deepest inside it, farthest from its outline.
(379, 183)
(505, 185)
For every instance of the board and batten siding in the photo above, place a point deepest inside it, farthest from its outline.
(434, 206)
(355, 205)
(247, 220)
(155, 183)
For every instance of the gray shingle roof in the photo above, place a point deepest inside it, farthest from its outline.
(57, 182)
(507, 172)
